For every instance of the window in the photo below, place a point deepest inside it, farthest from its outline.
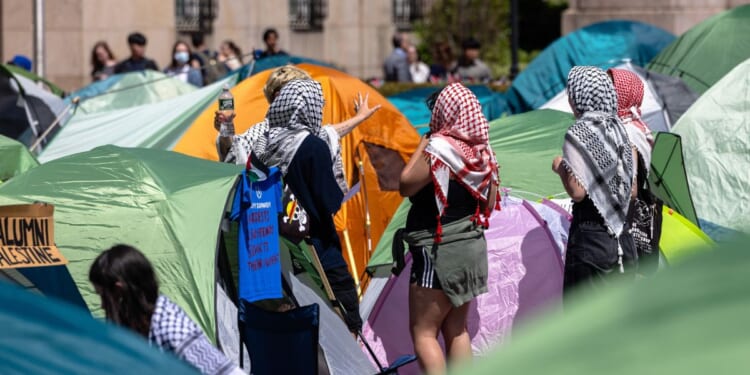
(405, 12)
(195, 15)
(307, 15)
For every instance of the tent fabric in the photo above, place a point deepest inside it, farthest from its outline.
(680, 238)
(665, 98)
(525, 145)
(412, 104)
(39, 81)
(708, 51)
(15, 158)
(155, 125)
(603, 44)
(715, 135)
(26, 109)
(525, 278)
(668, 179)
(130, 90)
(685, 321)
(382, 143)
(168, 205)
(43, 336)
(257, 66)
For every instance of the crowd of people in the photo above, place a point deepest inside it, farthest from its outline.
(193, 63)
(404, 63)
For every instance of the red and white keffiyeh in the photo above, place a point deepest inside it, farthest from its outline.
(629, 88)
(459, 148)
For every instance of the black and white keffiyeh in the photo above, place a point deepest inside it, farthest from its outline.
(296, 113)
(597, 149)
(172, 330)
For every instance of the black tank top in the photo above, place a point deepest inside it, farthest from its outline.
(423, 212)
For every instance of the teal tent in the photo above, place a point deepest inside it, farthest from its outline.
(129, 90)
(687, 320)
(708, 51)
(412, 104)
(271, 62)
(715, 135)
(15, 158)
(604, 44)
(158, 124)
(42, 336)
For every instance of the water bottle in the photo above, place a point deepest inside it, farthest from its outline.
(226, 108)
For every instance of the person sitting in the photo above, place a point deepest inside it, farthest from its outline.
(597, 171)
(102, 61)
(137, 61)
(129, 291)
(180, 66)
(271, 39)
(470, 68)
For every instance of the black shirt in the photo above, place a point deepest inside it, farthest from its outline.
(423, 212)
(585, 211)
(269, 53)
(132, 65)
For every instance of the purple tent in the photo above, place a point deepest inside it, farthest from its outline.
(524, 245)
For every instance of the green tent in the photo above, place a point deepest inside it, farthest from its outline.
(708, 51)
(715, 135)
(168, 205)
(130, 90)
(525, 145)
(689, 319)
(42, 336)
(47, 85)
(157, 124)
(14, 158)
(668, 178)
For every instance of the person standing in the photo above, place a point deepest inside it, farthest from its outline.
(271, 39)
(597, 171)
(137, 60)
(396, 66)
(451, 180)
(180, 66)
(102, 61)
(129, 290)
(444, 62)
(644, 214)
(470, 68)
(418, 70)
(205, 59)
(230, 55)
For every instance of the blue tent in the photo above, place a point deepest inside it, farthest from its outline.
(412, 104)
(271, 62)
(604, 44)
(42, 336)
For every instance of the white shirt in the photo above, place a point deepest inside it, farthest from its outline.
(419, 71)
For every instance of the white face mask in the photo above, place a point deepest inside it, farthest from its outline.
(181, 57)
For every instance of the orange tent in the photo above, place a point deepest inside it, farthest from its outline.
(382, 144)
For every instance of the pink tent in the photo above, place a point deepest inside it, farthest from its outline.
(525, 275)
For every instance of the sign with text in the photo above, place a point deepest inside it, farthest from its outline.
(27, 237)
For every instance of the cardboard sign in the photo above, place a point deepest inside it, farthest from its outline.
(27, 237)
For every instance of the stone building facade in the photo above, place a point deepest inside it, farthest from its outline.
(675, 16)
(353, 34)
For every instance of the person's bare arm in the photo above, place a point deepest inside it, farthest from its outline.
(416, 174)
(570, 183)
(364, 111)
(225, 143)
(492, 198)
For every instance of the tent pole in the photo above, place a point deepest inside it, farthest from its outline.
(54, 124)
(39, 37)
(352, 261)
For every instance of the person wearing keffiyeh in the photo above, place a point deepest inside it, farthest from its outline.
(597, 171)
(644, 219)
(452, 182)
(127, 284)
(294, 145)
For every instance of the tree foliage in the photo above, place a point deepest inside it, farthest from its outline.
(452, 21)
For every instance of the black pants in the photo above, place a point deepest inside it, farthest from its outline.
(591, 257)
(310, 177)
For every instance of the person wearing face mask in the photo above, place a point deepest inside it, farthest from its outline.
(180, 67)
